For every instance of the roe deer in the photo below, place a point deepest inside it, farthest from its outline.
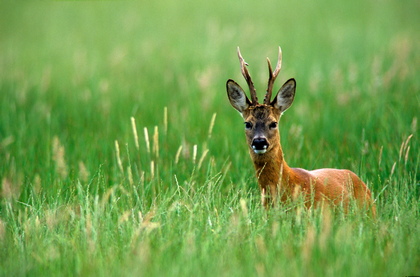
(275, 177)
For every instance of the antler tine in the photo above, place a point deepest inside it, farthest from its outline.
(272, 77)
(247, 77)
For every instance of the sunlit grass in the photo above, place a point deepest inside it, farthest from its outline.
(120, 154)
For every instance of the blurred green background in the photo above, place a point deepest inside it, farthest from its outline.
(73, 73)
(80, 70)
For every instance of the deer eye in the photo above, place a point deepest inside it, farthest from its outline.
(248, 125)
(273, 125)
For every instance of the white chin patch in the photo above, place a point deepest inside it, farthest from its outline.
(259, 151)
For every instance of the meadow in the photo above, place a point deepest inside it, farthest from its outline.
(121, 156)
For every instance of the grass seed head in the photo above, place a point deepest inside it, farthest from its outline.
(136, 137)
(213, 120)
(178, 154)
(165, 119)
(146, 138)
(194, 153)
(203, 156)
(156, 142)
(117, 153)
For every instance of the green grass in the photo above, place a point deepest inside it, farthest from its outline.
(73, 74)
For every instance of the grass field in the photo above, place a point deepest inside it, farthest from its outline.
(121, 156)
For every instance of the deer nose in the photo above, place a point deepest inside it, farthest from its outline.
(259, 145)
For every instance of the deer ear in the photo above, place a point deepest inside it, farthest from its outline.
(285, 96)
(237, 96)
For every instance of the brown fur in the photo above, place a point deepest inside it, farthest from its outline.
(276, 178)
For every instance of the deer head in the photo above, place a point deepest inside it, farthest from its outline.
(261, 120)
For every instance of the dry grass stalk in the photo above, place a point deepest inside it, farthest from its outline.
(130, 175)
(117, 152)
(194, 153)
(165, 119)
(136, 138)
(393, 169)
(178, 154)
(213, 120)
(124, 217)
(148, 224)
(203, 156)
(404, 146)
(146, 137)
(406, 155)
(156, 142)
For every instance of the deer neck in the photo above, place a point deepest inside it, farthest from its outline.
(271, 168)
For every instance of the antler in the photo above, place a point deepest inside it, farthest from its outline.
(245, 73)
(272, 77)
